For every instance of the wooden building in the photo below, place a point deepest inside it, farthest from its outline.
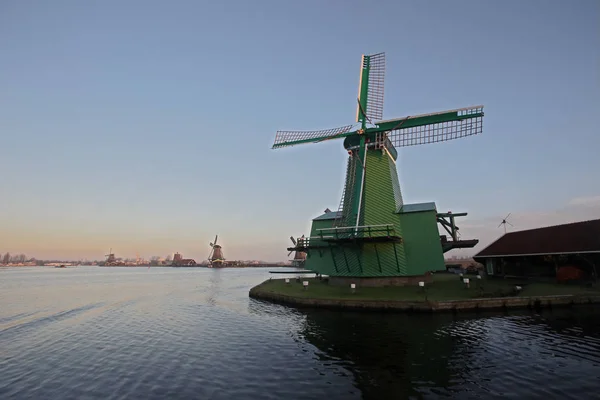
(568, 252)
(178, 261)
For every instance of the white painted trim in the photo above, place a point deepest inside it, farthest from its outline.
(362, 64)
(352, 227)
(318, 238)
(388, 153)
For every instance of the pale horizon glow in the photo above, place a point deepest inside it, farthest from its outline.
(146, 127)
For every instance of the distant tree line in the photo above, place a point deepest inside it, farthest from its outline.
(17, 258)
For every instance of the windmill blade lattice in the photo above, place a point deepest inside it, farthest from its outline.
(410, 131)
(290, 138)
(374, 109)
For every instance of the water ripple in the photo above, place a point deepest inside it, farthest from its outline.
(120, 333)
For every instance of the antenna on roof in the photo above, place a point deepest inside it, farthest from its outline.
(504, 222)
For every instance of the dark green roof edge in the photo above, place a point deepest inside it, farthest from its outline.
(329, 215)
(417, 207)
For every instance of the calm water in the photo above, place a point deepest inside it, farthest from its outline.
(116, 333)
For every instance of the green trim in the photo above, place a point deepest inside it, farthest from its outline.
(314, 140)
(345, 258)
(358, 181)
(363, 90)
(400, 123)
(358, 257)
(333, 258)
(451, 214)
(403, 123)
(396, 256)
(408, 122)
(377, 255)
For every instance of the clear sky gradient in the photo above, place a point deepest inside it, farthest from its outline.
(146, 126)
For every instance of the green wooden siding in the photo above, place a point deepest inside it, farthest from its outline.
(422, 242)
(317, 259)
(420, 251)
(379, 206)
(347, 218)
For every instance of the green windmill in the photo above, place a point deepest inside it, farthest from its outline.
(373, 234)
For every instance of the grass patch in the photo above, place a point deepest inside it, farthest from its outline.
(443, 288)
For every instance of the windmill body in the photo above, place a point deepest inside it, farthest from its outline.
(299, 256)
(215, 257)
(373, 233)
(111, 260)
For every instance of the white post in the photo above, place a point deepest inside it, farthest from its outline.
(353, 287)
(305, 284)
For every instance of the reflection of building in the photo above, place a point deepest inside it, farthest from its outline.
(179, 261)
(389, 358)
(562, 252)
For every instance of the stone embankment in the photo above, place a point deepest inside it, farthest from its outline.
(498, 303)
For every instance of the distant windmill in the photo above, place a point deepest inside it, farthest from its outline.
(299, 256)
(110, 257)
(215, 257)
(504, 222)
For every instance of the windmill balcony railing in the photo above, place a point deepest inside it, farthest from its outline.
(364, 233)
(347, 234)
(306, 243)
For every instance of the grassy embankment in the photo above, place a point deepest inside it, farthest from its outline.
(445, 287)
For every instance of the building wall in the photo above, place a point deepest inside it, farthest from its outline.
(379, 208)
(319, 260)
(422, 242)
(420, 252)
(542, 267)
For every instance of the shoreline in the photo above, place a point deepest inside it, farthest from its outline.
(537, 302)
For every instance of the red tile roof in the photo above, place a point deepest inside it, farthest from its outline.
(577, 237)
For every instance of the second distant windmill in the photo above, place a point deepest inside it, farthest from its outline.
(299, 256)
(504, 222)
(215, 257)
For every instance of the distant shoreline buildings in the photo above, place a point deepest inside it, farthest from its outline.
(177, 260)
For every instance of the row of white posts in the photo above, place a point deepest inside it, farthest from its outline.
(305, 284)
(353, 285)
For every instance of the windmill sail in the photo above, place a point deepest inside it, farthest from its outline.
(376, 74)
(433, 128)
(291, 138)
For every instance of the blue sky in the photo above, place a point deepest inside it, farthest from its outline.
(146, 126)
